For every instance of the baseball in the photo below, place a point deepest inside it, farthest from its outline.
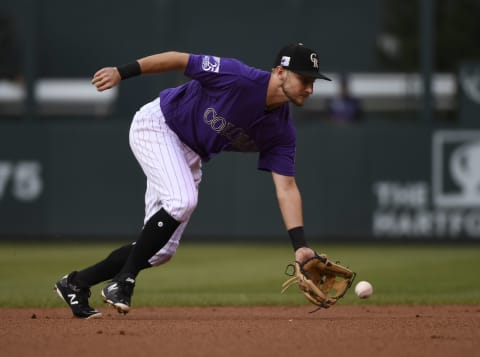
(363, 289)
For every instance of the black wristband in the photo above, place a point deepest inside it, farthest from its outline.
(297, 237)
(129, 70)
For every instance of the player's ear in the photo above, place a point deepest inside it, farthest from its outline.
(280, 72)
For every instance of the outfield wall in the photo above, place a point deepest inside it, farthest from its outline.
(75, 177)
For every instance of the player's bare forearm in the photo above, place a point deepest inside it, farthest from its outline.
(164, 62)
(290, 203)
(109, 77)
(289, 200)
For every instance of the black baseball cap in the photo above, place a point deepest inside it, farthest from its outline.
(301, 60)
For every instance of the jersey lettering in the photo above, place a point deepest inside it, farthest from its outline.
(237, 137)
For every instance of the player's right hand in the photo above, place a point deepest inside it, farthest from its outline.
(106, 78)
(304, 253)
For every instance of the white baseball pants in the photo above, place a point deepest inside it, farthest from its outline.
(172, 169)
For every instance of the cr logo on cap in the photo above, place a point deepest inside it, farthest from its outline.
(314, 59)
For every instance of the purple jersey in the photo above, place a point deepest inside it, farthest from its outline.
(223, 109)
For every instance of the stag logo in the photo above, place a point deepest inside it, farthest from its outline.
(456, 168)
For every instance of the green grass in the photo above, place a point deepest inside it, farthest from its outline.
(247, 274)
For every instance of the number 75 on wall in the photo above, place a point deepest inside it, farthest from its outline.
(23, 179)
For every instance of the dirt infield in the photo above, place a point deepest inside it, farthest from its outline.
(245, 331)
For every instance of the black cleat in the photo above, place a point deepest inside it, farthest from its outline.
(119, 294)
(76, 298)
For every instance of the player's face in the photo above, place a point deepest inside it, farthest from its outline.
(297, 88)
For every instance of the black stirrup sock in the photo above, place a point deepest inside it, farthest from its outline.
(103, 270)
(155, 234)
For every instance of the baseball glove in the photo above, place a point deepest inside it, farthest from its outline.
(322, 281)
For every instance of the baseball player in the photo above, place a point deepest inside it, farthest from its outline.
(226, 106)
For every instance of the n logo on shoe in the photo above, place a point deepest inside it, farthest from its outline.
(73, 300)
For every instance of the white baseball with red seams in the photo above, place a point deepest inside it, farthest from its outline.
(363, 289)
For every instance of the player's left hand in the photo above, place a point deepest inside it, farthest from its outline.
(106, 78)
(322, 281)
